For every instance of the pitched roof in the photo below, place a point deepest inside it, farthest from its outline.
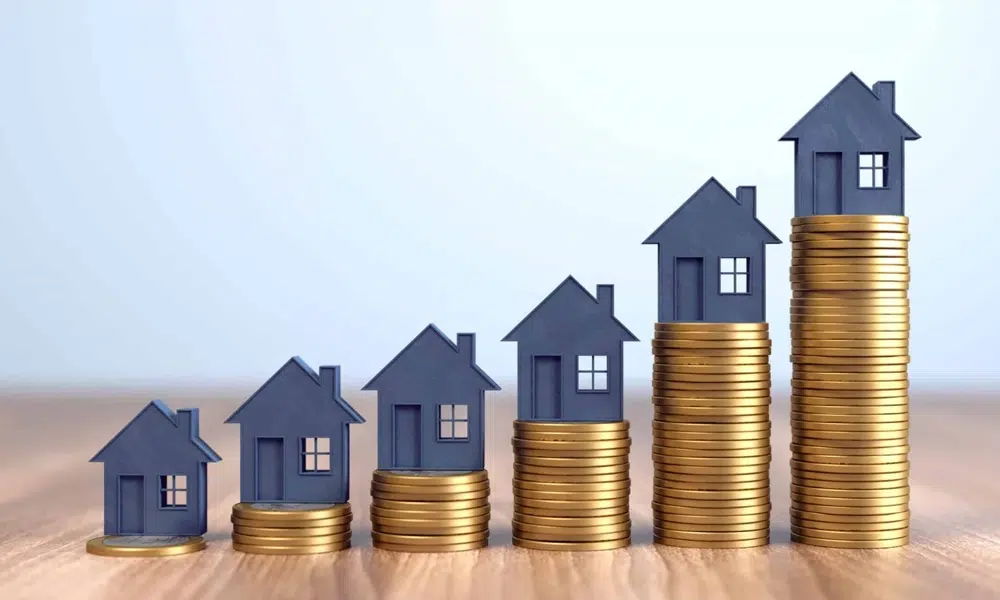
(296, 361)
(431, 329)
(848, 81)
(583, 295)
(162, 409)
(700, 193)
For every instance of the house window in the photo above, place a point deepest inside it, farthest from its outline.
(733, 273)
(173, 491)
(873, 170)
(315, 455)
(592, 373)
(453, 421)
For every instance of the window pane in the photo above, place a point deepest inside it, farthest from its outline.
(865, 160)
(880, 178)
(170, 499)
(181, 499)
(879, 159)
(600, 363)
(462, 411)
(323, 462)
(585, 363)
(601, 381)
(447, 429)
(462, 430)
(446, 412)
(310, 444)
(322, 444)
(865, 178)
(166, 482)
(726, 265)
(741, 265)
(727, 284)
(584, 381)
(741, 284)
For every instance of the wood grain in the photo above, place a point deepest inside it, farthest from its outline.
(50, 504)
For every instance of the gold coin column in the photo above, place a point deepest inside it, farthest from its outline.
(430, 511)
(282, 528)
(850, 403)
(711, 435)
(571, 485)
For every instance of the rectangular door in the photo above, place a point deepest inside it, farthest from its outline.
(131, 505)
(270, 469)
(406, 436)
(547, 384)
(689, 289)
(828, 184)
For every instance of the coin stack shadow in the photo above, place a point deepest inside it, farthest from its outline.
(711, 434)
(850, 402)
(430, 511)
(291, 529)
(571, 485)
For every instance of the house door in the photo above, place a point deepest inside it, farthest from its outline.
(689, 289)
(406, 436)
(828, 180)
(547, 387)
(131, 505)
(270, 469)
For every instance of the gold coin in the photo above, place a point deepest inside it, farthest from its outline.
(429, 548)
(666, 395)
(852, 459)
(144, 546)
(714, 411)
(620, 502)
(843, 478)
(857, 344)
(717, 453)
(672, 508)
(853, 285)
(851, 296)
(571, 537)
(712, 526)
(873, 337)
(851, 360)
(902, 497)
(474, 490)
(850, 419)
(849, 330)
(761, 378)
(678, 432)
(428, 527)
(414, 506)
(572, 436)
(615, 454)
(620, 519)
(432, 497)
(289, 511)
(846, 267)
(763, 400)
(852, 527)
(861, 486)
(897, 467)
(849, 253)
(431, 478)
(835, 243)
(851, 409)
(846, 222)
(712, 336)
(835, 317)
(711, 504)
(565, 473)
(807, 371)
(721, 484)
(851, 510)
(572, 462)
(435, 530)
(702, 344)
(661, 415)
(682, 445)
(866, 536)
(823, 278)
(430, 512)
(714, 360)
(837, 450)
(714, 385)
(570, 488)
(588, 513)
(327, 540)
(571, 546)
(668, 370)
(867, 394)
(851, 263)
(523, 494)
(530, 530)
(852, 445)
(697, 326)
(728, 461)
(429, 540)
(856, 380)
(338, 523)
(586, 480)
(418, 520)
(747, 494)
(807, 427)
(829, 492)
(292, 531)
(559, 426)
(703, 522)
(715, 470)
(854, 438)
(844, 521)
(710, 536)
(664, 541)
(291, 550)
(602, 445)
(804, 401)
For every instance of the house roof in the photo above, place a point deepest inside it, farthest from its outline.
(583, 295)
(431, 329)
(297, 362)
(850, 80)
(661, 232)
(162, 409)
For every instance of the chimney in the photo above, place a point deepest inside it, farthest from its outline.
(886, 92)
(187, 420)
(467, 346)
(746, 195)
(606, 297)
(329, 379)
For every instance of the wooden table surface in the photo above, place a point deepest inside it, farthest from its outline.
(51, 503)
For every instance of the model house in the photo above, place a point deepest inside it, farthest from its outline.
(155, 473)
(849, 152)
(569, 356)
(295, 443)
(711, 258)
(431, 401)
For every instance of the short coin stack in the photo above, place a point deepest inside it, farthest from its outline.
(850, 404)
(571, 485)
(711, 435)
(291, 528)
(430, 511)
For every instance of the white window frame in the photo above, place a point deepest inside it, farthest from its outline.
(170, 487)
(873, 170)
(310, 453)
(452, 420)
(592, 373)
(734, 275)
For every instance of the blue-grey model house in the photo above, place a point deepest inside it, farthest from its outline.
(711, 258)
(431, 405)
(155, 473)
(295, 443)
(569, 356)
(849, 152)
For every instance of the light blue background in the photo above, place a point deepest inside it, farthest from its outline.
(199, 190)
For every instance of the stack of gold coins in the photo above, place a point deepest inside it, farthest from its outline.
(430, 511)
(711, 435)
(850, 321)
(571, 485)
(291, 528)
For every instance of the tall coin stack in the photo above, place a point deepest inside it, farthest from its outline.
(711, 435)
(571, 485)
(291, 528)
(850, 404)
(430, 511)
